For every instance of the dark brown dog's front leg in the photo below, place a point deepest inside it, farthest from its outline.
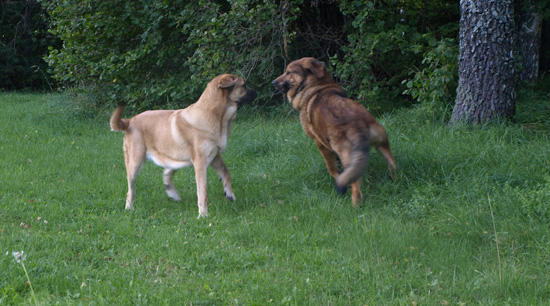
(330, 160)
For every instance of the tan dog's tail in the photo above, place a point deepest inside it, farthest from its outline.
(358, 162)
(117, 123)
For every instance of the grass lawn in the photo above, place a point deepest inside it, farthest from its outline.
(466, 222)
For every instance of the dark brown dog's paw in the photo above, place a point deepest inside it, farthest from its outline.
(341, 189)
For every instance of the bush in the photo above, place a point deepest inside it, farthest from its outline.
(163, 53)
(437, 82)
(389, 41)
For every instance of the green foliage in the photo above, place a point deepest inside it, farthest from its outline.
(387, 40)
(164, 52)
(23, 42)
(244, 39)
(436, 83)
(134, 50)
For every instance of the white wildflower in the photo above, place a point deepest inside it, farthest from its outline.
(19, 256)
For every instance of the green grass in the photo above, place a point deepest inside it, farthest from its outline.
(426, 238)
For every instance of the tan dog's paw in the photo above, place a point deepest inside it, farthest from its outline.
(230, 196)
(173, 194)
(203, 212)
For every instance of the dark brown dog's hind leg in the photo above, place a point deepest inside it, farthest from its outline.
(385, 151)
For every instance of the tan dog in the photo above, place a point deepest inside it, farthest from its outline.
(196, 135)
(340, 126)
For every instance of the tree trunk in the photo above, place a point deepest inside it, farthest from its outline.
(544, 65)
(486, 86)
(529, 38)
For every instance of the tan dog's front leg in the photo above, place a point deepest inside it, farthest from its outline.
(200, 177)
(130, 196)
(222, 171)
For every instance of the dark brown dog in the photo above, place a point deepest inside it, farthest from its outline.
(340, 126)
(196, 135)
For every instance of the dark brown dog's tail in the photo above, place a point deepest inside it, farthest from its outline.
(358, 163)
(117, 123)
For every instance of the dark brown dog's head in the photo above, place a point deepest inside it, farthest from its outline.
(301, 74)
(236, 88)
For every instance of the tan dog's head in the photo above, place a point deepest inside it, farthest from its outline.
(301, 74)
(234, 88)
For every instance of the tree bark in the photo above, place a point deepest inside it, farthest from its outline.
(486, 87)
(529, 39)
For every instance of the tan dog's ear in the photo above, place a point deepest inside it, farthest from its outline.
(228, 82)
(315, 66)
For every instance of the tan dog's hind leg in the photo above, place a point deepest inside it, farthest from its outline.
(168, 174)
(134, 157)
(222, 171)
(200, 177)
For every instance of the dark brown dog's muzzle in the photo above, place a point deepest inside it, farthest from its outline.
(283, 87)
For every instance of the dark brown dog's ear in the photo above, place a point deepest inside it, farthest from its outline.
(316, 67)
(228, 81)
